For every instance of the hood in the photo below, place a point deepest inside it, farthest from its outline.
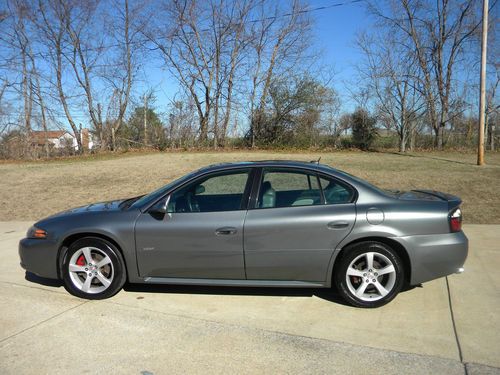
(93, 207)
(101, 206)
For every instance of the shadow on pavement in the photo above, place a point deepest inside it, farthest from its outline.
(42, 280)
(326, 294)
(323, 293)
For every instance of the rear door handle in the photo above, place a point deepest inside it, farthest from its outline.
(337, 224)
(224, 231)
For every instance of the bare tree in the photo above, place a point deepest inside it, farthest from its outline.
(209, 46)
(21, 44)
(122, 71)
(94, 64)
(77, 21)
(185, 43)
(53, 26)
(391, 76)
(438, 34)
(181, 128)
(238, 19)
(282, 37)
(40, 101)
(493, 72)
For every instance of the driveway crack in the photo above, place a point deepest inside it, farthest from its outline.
(42, 322)
(455, 332)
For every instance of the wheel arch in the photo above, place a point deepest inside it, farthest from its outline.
(66, 243)
(393, 244)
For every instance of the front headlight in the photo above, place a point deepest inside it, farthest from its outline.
(35, 232)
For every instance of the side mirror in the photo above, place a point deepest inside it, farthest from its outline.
(160, 208)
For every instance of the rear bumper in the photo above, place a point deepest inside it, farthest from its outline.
(39, 257)
(434, 256)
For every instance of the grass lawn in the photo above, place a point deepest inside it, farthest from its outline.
(32, 190)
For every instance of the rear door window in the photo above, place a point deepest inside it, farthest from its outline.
(288, 188)
(336, 192)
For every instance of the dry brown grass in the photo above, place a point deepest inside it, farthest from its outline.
(33, 190)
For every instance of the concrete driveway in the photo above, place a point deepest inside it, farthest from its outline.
(447, 326)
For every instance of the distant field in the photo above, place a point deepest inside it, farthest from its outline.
(32, 190)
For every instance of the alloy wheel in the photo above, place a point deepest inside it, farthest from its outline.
(370, 276)
(91, 270)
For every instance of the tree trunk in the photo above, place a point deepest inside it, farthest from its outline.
(413, 134)
(28, 101)
(402, 141)
(44, 118)
(62, 98)
(492, 139)
(439, 136)
(145, 121)
(203, 128)
(113, 139)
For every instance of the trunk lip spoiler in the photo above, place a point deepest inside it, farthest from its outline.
(453, 200)
(443, 196)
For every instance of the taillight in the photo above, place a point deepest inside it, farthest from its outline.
(456, 220)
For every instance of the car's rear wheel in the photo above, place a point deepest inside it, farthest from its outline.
(370, 274)
(93, 269)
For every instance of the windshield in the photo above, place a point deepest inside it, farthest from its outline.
(157, 194)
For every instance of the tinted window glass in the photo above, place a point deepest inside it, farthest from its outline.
(222, 192)
(151, 197)
(225, 184)
(280, 188)
(336, 192)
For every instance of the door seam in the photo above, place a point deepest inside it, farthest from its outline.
(243, 245)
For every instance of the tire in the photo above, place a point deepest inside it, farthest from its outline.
(93, 268)
(370, 274)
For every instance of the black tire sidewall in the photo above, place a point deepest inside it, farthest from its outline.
(353, 251)
(118, 267)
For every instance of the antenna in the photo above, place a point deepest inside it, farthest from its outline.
(315, 161)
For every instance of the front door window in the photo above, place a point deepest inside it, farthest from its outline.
(222, 192)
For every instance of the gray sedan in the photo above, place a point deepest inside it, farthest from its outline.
(268, 223)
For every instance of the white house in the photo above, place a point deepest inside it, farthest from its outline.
(59, 139)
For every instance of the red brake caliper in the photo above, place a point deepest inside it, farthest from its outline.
(81, 260)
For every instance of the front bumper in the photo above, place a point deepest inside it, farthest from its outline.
(436, 255)
(39, 257)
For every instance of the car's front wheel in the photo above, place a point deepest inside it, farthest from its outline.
(93, 269)
(370, 274)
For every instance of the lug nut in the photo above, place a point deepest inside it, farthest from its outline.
(369, 270)
(376, 274)
(367, 280)
(373, 280)
(364, 274)
(86, 269)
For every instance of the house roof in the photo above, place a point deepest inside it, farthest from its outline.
(39, 136)
(49, 134)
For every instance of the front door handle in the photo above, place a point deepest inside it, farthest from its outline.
(225, 231)
(337, 224)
